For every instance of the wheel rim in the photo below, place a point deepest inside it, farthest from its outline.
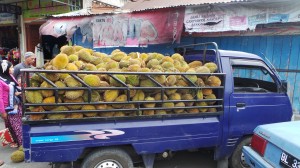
(109, 164)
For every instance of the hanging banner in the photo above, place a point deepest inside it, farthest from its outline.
(67, 27)
(136, 29)
(239, 17)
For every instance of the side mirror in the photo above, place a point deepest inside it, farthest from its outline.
(284, 86)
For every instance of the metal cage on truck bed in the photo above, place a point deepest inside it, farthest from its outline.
(128, 108)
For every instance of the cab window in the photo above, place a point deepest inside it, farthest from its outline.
(252, 77)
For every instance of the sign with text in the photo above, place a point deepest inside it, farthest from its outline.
(238, 17)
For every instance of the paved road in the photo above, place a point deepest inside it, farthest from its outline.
(202, 159)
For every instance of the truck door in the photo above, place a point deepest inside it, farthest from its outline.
(256, 97)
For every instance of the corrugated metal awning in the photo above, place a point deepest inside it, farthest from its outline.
(141, 5)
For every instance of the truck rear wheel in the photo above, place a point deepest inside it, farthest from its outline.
(108, 158)
(237, 159)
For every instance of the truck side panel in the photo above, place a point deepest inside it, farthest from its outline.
(65, 142)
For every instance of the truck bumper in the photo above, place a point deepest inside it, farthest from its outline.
(253, 159)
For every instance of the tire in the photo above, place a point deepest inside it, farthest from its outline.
(108, 158)
(237, 158)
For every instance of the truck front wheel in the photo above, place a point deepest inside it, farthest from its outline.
(237, 158)
(108, 158)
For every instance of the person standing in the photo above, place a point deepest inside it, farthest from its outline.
(12, 120)
(28, 63)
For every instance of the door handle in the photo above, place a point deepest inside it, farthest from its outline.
(240, 104)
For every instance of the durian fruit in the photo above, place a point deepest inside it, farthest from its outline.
(169, 105)
(68, 50)
(199, 95)
(73, 94)
(202, 69)
(160, 112)
(17, 156)
(117, 56)
(212, 110)
(84, 55)
(34, 83)
(167, 59)
(33, 96)
(60, 61)
(193, 110)
(171, 80)
(96, 60)
(59, 116)
(192, 78)
(62, 76)
(121, 98)
(74, 107)
(148, 112)
(147, 83)
(75, 115)
(71, 67)
(119, 114)
(167, 65)
(79, 64)
(211, 66)
(188, 97)
(200, 82)
(170, 91)
(71, 82)
(175, 96)
(213, 81)
(132, 92)
(161, 79)
(112, 65)
(149, 105)
(36, 117)
(46, 93)
(60, 84)
(195, 64)
(211, 96)
(52, 76)
(177, 57)
(73, 58)
(179, 104)
(21, 148)
(204, 109)
(158, 96)
(114, 82)
(152, 63)
(92, 80)
(50, 100)
(87, 108)
(37, 78)
(100, 106)
(77, 48)
(133, 80)
(139, 96)
(95, 96)
(90, 67)
(207, 91)
(110, 95)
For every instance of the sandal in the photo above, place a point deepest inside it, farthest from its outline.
(13, 145)
(1, 162)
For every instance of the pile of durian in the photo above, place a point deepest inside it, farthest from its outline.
(157, 71)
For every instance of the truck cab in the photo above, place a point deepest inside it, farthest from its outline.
(250, 94)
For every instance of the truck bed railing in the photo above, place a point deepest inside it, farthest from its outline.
(136, 111)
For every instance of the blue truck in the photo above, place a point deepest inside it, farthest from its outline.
(250, 94)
